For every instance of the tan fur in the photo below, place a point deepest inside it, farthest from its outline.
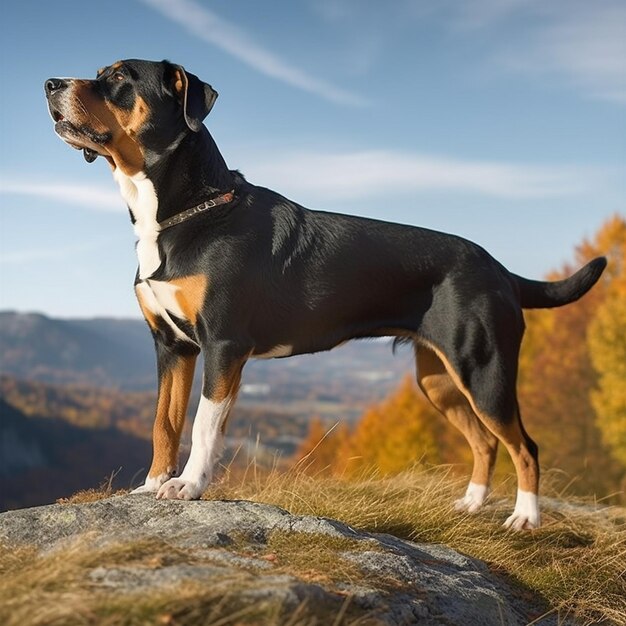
(445, 396)
(227, 384)
(181, 82)
(133, 121)
(125, 152)
(174, 390)
(191, 294)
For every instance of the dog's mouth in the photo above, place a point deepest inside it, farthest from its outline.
(78, 138)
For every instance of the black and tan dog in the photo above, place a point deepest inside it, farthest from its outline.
(238, 271)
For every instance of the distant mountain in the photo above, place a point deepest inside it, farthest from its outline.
(42, 459)
(106, 352)
(103, 351)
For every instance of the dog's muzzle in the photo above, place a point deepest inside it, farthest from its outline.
(54, 89)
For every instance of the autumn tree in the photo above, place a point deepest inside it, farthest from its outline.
(607, 344)
(318, 453)
(396, 433)
(557, 376)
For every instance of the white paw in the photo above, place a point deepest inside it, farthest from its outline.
(180, 489)
(152, 483)
(526, 514)
(520, 521)
(473, 499)
(467, 505)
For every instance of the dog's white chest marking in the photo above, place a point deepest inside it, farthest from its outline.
(138, 192)
(159, 299)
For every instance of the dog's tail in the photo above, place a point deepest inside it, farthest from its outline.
(536, 294)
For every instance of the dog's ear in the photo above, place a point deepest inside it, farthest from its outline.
(197, 98)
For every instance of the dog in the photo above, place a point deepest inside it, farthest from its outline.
(237, 271)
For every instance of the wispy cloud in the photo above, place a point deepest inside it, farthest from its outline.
(580, 42)
(354, 175)
(588, 46)
(210, 27)
(87, 196)
(351, 175)
(574, 42)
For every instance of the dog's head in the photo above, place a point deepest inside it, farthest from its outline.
(131, 110)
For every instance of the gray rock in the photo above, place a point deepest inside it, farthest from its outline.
(403, 582)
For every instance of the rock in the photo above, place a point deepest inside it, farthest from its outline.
(400, 581)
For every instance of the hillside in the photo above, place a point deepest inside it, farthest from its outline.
(118, 353)
(42, 459)
(92, 384)
(56, 439)
(105, 352)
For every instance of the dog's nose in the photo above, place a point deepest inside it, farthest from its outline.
(54, 84)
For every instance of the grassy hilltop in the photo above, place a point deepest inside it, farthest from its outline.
(573, 568)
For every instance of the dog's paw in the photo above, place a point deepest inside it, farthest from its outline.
(521, 521)
(526, 513)
(473, 499)
(466, 504)
(180, 489)
(153, 483)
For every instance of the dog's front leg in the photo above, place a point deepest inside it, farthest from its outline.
(222, 375)
(176, 361)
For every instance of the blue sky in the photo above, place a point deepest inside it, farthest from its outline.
(500, 120)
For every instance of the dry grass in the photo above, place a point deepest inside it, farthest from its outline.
(55, 588)
(576, 561)
(105, 490)
(91, 495)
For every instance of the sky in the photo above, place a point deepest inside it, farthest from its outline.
(503, 121)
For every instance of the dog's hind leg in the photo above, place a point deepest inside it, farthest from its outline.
(440, 389)
(481, 359)
(524, 453)
(492, 393)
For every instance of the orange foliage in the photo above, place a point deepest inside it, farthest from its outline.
(392, 435)
(318, 453)
(389, 437)
(606, 338)
(557, 377)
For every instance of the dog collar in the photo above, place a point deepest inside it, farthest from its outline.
(196, 210)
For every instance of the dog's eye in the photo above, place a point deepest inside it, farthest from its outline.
(117, 77)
